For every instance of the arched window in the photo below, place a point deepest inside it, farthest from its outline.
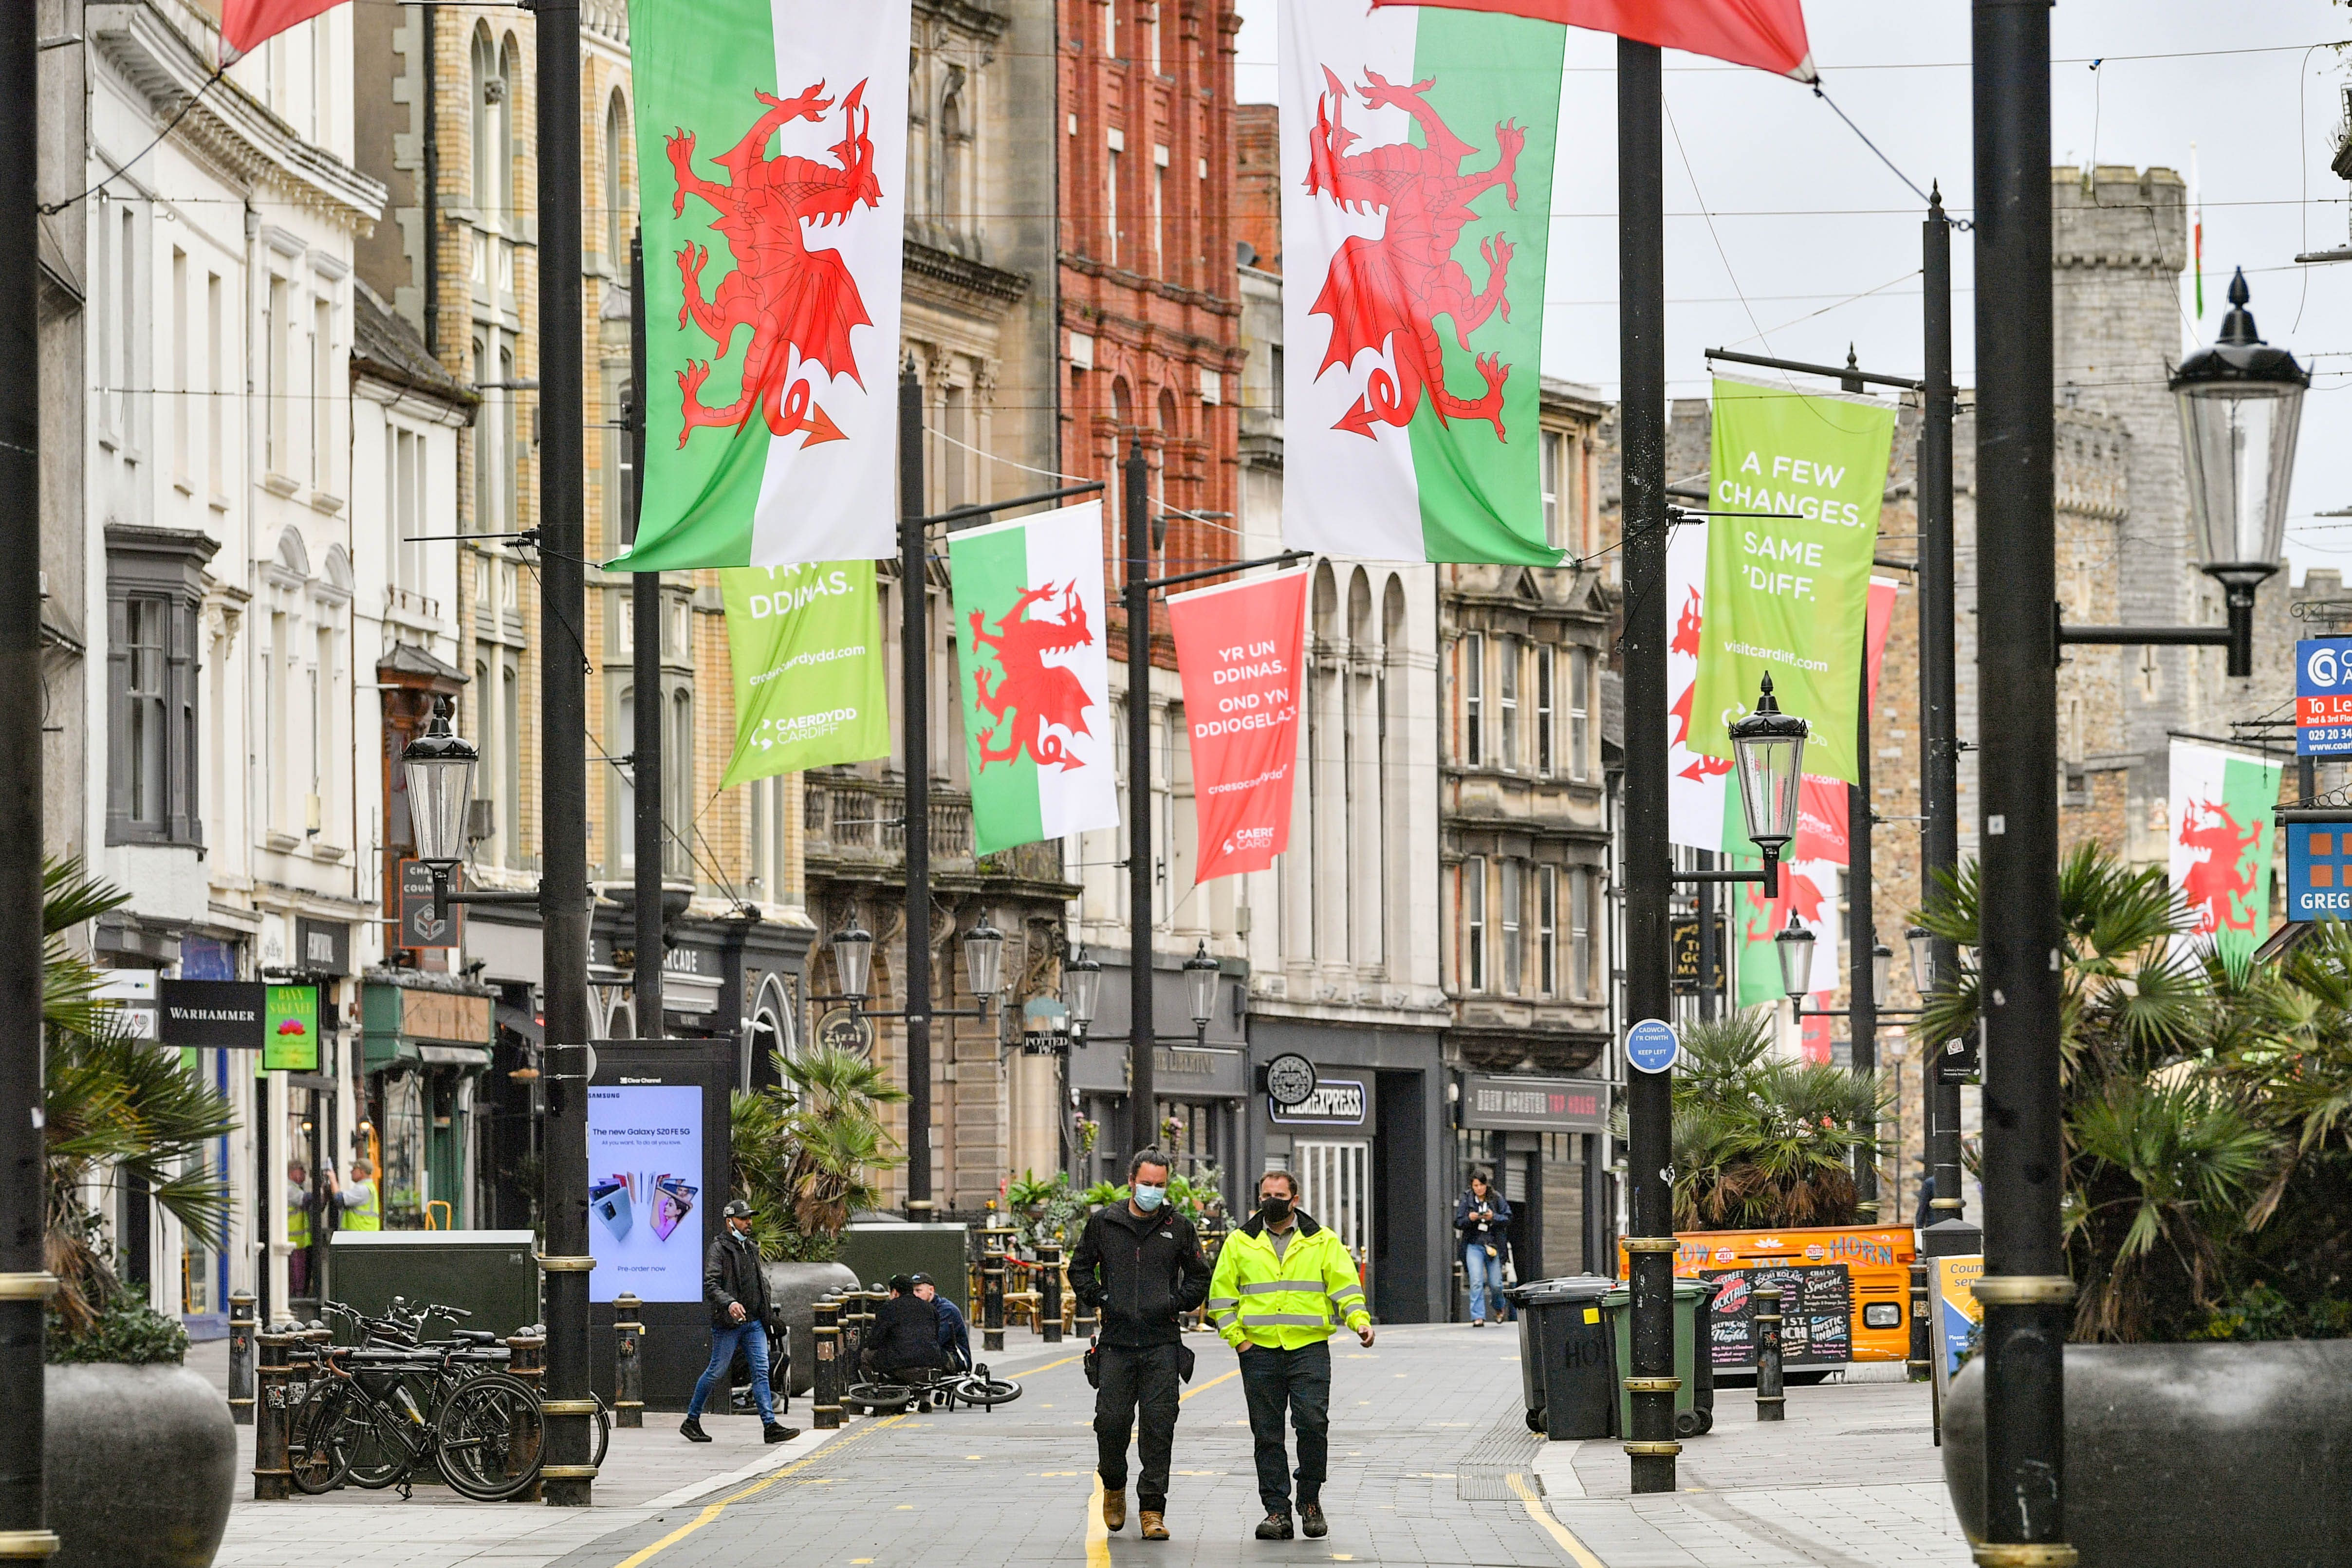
(505, 149)
(677, 784)
(620, 214)
(490, 94)
(623, 830)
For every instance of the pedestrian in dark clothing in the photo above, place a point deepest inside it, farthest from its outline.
(1139, 1267)
(905, 1334)
(1481, 1218)
(955, 1335)
(735, 1288)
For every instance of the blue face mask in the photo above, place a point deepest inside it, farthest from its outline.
(1147, 1199)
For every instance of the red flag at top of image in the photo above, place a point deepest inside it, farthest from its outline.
(1767, 34)
(246, 25)
(1237, 650)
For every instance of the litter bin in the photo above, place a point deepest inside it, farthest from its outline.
(1564, 1356)
(1694, 1400)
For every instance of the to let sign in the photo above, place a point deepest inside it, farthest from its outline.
(2323, 699)
(2319, 871)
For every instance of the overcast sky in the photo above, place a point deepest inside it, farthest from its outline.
(1806, 219)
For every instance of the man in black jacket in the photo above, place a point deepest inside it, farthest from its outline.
(735, 1288)
(1138, 1265)
(905, 1334)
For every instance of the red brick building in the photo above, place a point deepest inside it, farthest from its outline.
(1149, 303)
(1257, 183)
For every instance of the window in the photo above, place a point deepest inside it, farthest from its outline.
(617, 216)
(274, 381)
(179, 383)
(1275, 400)
(126, 360)
(1580, 722)
(678, 785)
(1507, 720)
(1546, 659)
(1151, 36)
(620, 739)
(1110, 29)
(486, 517)
(1555, 498)
(1513, 911)
(322, 719)
(216, 381)
(1547, 931)
(1474, 923)
(1110, 209)
(1583, 885)
(1474, 698)
(510, 451)
(1159, 210)
(155, 584)
(322, 349)
(490, 94)
(510, 729)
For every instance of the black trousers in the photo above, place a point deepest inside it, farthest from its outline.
(1137, 1381)
(1299, 1379)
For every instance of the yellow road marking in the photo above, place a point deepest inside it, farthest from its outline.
(1220, 1377)
(712, 1510)
(1051, 1364)
(1540, 1511)
(1097, 1534)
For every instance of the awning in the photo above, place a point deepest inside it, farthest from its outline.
(522, 1021)
(433, 1055)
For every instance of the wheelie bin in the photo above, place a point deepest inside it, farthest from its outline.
(1565, 1365)
(1694, 1400)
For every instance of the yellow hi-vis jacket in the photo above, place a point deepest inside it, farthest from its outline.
(1255, 1298)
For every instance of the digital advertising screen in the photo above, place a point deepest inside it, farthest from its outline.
(644, 1191)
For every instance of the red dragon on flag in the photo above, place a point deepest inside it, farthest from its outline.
(1386, 293)
(2219, 888)
(795, 300)
(1037, 695)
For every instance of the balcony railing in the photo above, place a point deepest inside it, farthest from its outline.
(862, 822)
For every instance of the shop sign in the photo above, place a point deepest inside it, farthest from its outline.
(840, 1029)
(1200, 1070)
(2319, 871)
(1685, 935)
(419, 926)
(132, 992)
(289, 1028)
(1290, 1079)
(1535, 1104)
(1332, 1102)
(446, 1014)
(220, 1015)
(324, 947)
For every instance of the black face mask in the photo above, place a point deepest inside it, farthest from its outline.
(1275, 1210)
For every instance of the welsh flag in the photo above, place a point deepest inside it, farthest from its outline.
(1767, 34)
(2224, 841)
(1033, 678)
(1416, 158)
(772, 153)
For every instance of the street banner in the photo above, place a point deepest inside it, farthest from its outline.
(1767, 34)
(1034, 680)
(771, 149)
(1238, 649)
(1417, 146)
(806, 646)
(290, 1021)
(2223, 844)
(2323, 696)
(1797, 478)
(1809, 890)
(246, 25)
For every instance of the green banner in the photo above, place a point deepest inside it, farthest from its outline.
(289, 1029)
(806, 642)
(1794, 500)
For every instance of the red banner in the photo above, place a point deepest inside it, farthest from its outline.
(1237, 650)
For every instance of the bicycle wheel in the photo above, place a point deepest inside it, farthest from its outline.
(986, 1392)
(309, 1452)
(604, 1430)
(487, 1442)
(879, 1399)
(367, 1455)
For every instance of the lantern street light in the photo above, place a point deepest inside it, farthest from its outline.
(1922, 943)
(1201, 973)
(1882, 973)
(1083, 976)
(438, 766)
(1794, 947)
(853, 960)
(1768, 754)
(853, 966)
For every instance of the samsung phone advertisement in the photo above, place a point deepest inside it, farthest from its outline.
(644, 1192)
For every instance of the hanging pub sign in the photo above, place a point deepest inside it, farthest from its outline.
(419, 925)
(217, 1015)
(289, 1028)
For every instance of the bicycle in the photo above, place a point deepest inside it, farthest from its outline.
(365, 1424)
(888, 1397)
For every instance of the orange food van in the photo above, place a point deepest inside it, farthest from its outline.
(1878, 1265)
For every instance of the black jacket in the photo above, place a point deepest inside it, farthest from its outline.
(732, 1274)
(1472, 1227)
(1140, 1273)
(905, 1334)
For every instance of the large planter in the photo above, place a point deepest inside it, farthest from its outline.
(2189, 1455)
(141, 1466)
(795, 1288)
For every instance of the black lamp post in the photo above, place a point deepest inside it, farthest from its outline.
(1767, 754)
(1794, 947)
(1083, 976)
(852, 964)
(439, 765)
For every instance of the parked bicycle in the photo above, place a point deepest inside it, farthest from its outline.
(374, 1418)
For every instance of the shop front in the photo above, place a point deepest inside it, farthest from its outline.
(1543, 1141)
(1354, 1111)
(726, 977)
(1200, 1078)
(427, 1045)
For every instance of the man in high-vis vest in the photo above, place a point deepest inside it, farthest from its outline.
(363, 1209)
(1282, 1283)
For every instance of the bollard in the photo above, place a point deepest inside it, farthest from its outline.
(240, 1357)
(825, 1397)
(1085, 1322)
(991, 1291)
(1049, 1288)
(1771, 1404)
(273, 1479)
(628, 1368)
(527, 1359)
(1921, 1367)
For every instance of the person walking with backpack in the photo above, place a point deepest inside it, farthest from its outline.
(1481, 1218)
(1138, 1266)
(1282, 1282)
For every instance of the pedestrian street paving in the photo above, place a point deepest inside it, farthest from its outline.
(1432, 1467)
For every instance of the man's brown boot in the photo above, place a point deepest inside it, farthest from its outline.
(1115, 1509)
(1155, 1525)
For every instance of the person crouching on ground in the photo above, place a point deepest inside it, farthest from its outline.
(1138, 1265)
(955, 1334)
(735, 1288)
(903, 1341)
(1281, 1280)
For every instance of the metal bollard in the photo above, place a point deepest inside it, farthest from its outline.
(240, 1357)
(527, 1359)
(628, 1367)
(273, 1478)
(825, 1397)
(1084, 1323)
(991, 1291)
(1771, 1404)
(1921, 1367)
(1049, 1292)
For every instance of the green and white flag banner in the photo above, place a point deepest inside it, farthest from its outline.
(2222, 842)
(1417, 161)
(772, 154)
(806, 645)
(1797, 480)
(1033, 678)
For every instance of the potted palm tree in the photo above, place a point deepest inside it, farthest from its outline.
(141, 1452)
(805, 1154)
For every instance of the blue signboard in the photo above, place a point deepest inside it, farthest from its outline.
(2319, 871)
(2323, 697)
(1652, 1046)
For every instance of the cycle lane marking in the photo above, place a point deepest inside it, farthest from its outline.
(1541, 1514)
(713, 1511)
